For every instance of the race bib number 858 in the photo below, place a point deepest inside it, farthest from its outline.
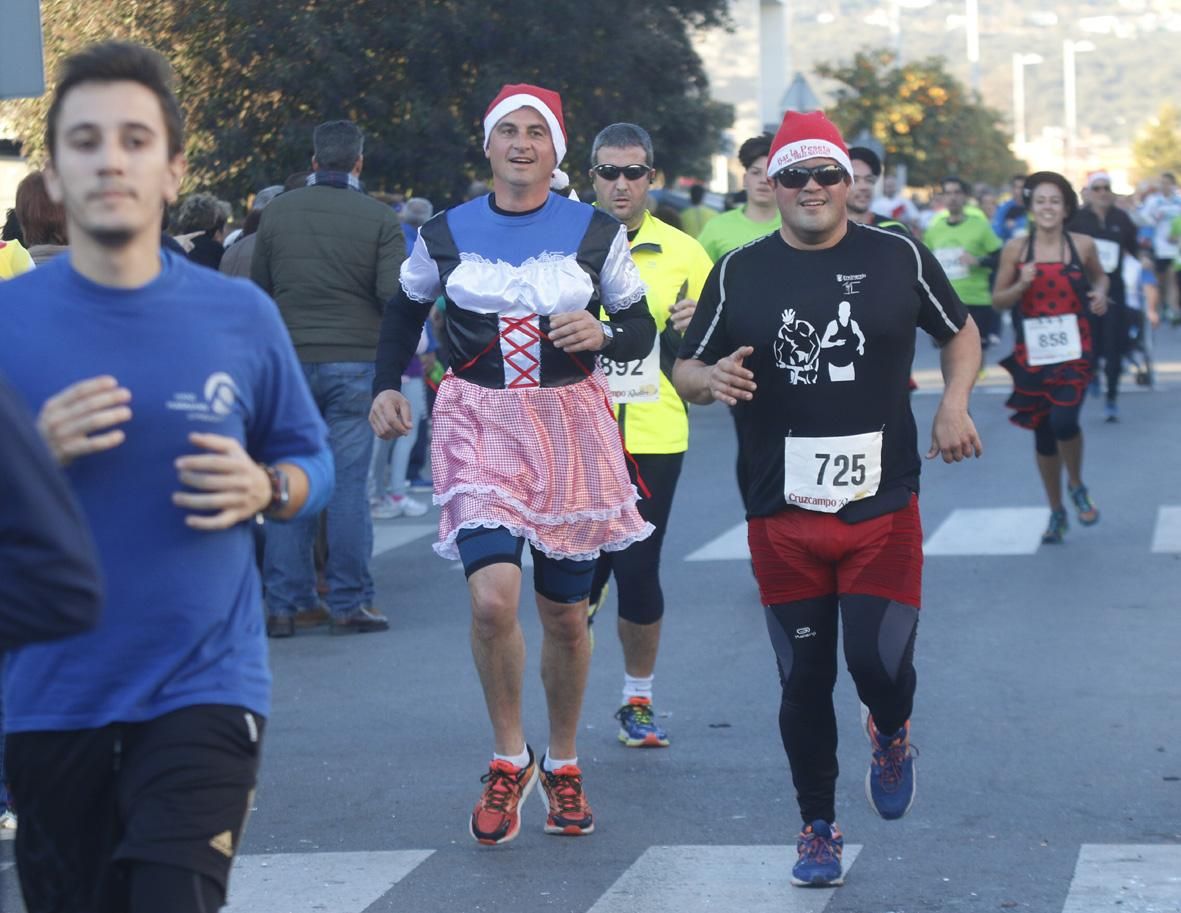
(826, 473)
(1052, 340)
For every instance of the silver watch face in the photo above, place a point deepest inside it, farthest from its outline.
(608, 331)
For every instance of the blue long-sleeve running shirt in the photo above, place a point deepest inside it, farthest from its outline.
(183, 621)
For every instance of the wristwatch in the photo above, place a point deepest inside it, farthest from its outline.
(608, 332)
(280, 490)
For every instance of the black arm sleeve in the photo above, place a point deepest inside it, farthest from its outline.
(635, 333)
(401, 327)
(49, 576)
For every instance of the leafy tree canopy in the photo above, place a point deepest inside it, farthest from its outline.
(1158, 147)
(256, 76)
(923, 116)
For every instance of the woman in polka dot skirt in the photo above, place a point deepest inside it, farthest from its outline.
(1054, 280)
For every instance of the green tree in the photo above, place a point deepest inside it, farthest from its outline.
(1158, 146)
(256, 76)
(923, 116)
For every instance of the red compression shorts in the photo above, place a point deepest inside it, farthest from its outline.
(803, 554)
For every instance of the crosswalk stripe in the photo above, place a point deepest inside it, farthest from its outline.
(1130, 878)
(1167, 537)
(989, 531)
(729, 546)
(298, 882)
(695, 879)
(395, 535)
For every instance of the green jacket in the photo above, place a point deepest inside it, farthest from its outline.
(330, 257)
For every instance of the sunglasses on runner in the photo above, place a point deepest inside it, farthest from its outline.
(631, 172)
(797, 178)
(1101, 187)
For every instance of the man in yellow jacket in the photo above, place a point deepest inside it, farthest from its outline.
(653, 419)
(14, 259)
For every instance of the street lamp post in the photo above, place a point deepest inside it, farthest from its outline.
(1070, 97)
(972, 37)
(1020, 62)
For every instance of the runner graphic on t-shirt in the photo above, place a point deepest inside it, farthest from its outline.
(797, 349)
(838, 339)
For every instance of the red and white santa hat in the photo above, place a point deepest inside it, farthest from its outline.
(1098, 177)
(806, 136)
(545, 102)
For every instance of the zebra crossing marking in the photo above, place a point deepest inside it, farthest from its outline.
(989, 531)
(729, 546)
(298, 882)
(695, 879)
(387, 538)
(1167, 536)
(1129, 878)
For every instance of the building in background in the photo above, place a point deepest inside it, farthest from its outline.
(750, 68)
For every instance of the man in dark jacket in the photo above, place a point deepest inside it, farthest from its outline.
(329, 255)
(1115, 235)
(49, 578)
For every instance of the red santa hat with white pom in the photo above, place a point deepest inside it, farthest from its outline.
(545, 102)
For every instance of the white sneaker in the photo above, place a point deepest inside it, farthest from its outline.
(383, 508)
(8, 820)
(406, 506)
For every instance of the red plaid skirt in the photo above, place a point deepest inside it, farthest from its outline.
(545, 463)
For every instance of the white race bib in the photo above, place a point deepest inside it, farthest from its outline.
(634, 381)
(1109, 253)
(949, 259)
(826, 473)
(1052, 340)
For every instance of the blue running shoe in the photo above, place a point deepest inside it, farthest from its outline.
(889, 784)
(1056, 528)
(1088, 513)
(637, 728)
(820, 846)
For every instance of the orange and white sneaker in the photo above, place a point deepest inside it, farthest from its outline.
(497, 816)
(568, 811)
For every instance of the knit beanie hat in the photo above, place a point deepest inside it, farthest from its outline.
(545, 102)
(806, 136)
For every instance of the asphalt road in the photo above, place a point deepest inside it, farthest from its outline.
(1047, 717)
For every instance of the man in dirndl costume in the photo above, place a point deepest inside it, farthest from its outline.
(525, 447)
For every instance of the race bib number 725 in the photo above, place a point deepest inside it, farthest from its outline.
(826, 473)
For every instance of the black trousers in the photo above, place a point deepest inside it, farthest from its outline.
(879, 651)
(134, 817)
(637, 567)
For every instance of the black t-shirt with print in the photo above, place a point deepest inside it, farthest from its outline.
(833, 333)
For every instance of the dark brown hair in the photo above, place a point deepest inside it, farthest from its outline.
(119, 61)
(42, 221)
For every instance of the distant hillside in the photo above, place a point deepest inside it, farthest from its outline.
(1136, 64)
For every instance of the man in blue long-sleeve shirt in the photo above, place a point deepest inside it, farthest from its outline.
(173, 397)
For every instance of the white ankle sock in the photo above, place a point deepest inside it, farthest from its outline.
(634, 686)
(551, 764)
(517, 760)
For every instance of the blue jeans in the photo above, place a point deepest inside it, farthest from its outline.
(391, 459)
(343, 393)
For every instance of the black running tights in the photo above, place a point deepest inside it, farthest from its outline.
(879, 650)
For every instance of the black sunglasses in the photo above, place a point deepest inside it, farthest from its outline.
(797, 178)
(612, 172)
(1101, 187)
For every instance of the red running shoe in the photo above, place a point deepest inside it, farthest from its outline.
(497, 816)
(569, 812)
